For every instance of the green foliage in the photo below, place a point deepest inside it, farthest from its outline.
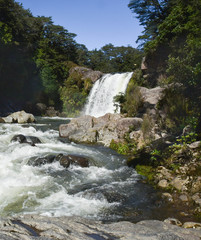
(132, 100)
(155, 155)
(118, 102)
(177, 108)
(74, 94)
(146, 171)
(114, 59)
(121, 148)
(147, 125)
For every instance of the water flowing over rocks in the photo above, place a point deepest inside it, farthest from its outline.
(29, 227)
(99, 130)
(26, 139)
(19, 117)
(64, 160)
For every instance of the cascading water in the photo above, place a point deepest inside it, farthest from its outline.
(100, 99)
(106, 190)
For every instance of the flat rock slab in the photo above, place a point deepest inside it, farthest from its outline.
(29, 227)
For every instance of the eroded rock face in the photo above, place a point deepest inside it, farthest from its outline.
(31, 227)
(102, 129)
(19, 117)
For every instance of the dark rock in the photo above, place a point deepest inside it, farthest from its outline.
(51, 112)
(66, 160)
(63, 160)
(26, 139)
(41, 108)
(41, 160)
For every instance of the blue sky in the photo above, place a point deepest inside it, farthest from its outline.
(95, 22)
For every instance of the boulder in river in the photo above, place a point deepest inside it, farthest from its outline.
(64, 160)
(19, 117)
(103, 129)
(26, 139)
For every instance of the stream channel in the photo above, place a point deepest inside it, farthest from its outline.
(107, 190)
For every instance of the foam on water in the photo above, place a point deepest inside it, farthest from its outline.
(50, 189)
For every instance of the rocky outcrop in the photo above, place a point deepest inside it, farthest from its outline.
(103, 129)
(19, 117)
(87, 73)
(31, 227)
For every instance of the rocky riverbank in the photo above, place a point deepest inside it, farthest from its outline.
(29, 227)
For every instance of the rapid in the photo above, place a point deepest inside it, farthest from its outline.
(107, 190)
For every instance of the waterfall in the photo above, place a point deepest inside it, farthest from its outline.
(100, 100)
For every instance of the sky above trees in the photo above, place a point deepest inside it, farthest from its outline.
(96, 22)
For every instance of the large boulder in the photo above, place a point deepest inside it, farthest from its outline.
(19, 117)
(86, 73)
(103, 129)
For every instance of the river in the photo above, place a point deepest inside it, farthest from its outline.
(107, 190)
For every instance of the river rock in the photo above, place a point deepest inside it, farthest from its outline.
(26, 139)
(66, 160)
(41, 160)
(103, 129)
(30, 227)
(19, 117)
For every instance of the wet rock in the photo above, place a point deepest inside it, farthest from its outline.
(19, 117)
(31, 140)
(41, 160)
(66, 160)
(31, 227)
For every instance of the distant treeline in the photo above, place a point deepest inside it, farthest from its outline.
(36, 55)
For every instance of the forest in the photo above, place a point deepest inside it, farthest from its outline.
(36, 56)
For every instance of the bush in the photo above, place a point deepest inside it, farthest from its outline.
(74, 94)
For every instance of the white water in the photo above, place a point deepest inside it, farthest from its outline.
(100, 99)
(52, 190)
